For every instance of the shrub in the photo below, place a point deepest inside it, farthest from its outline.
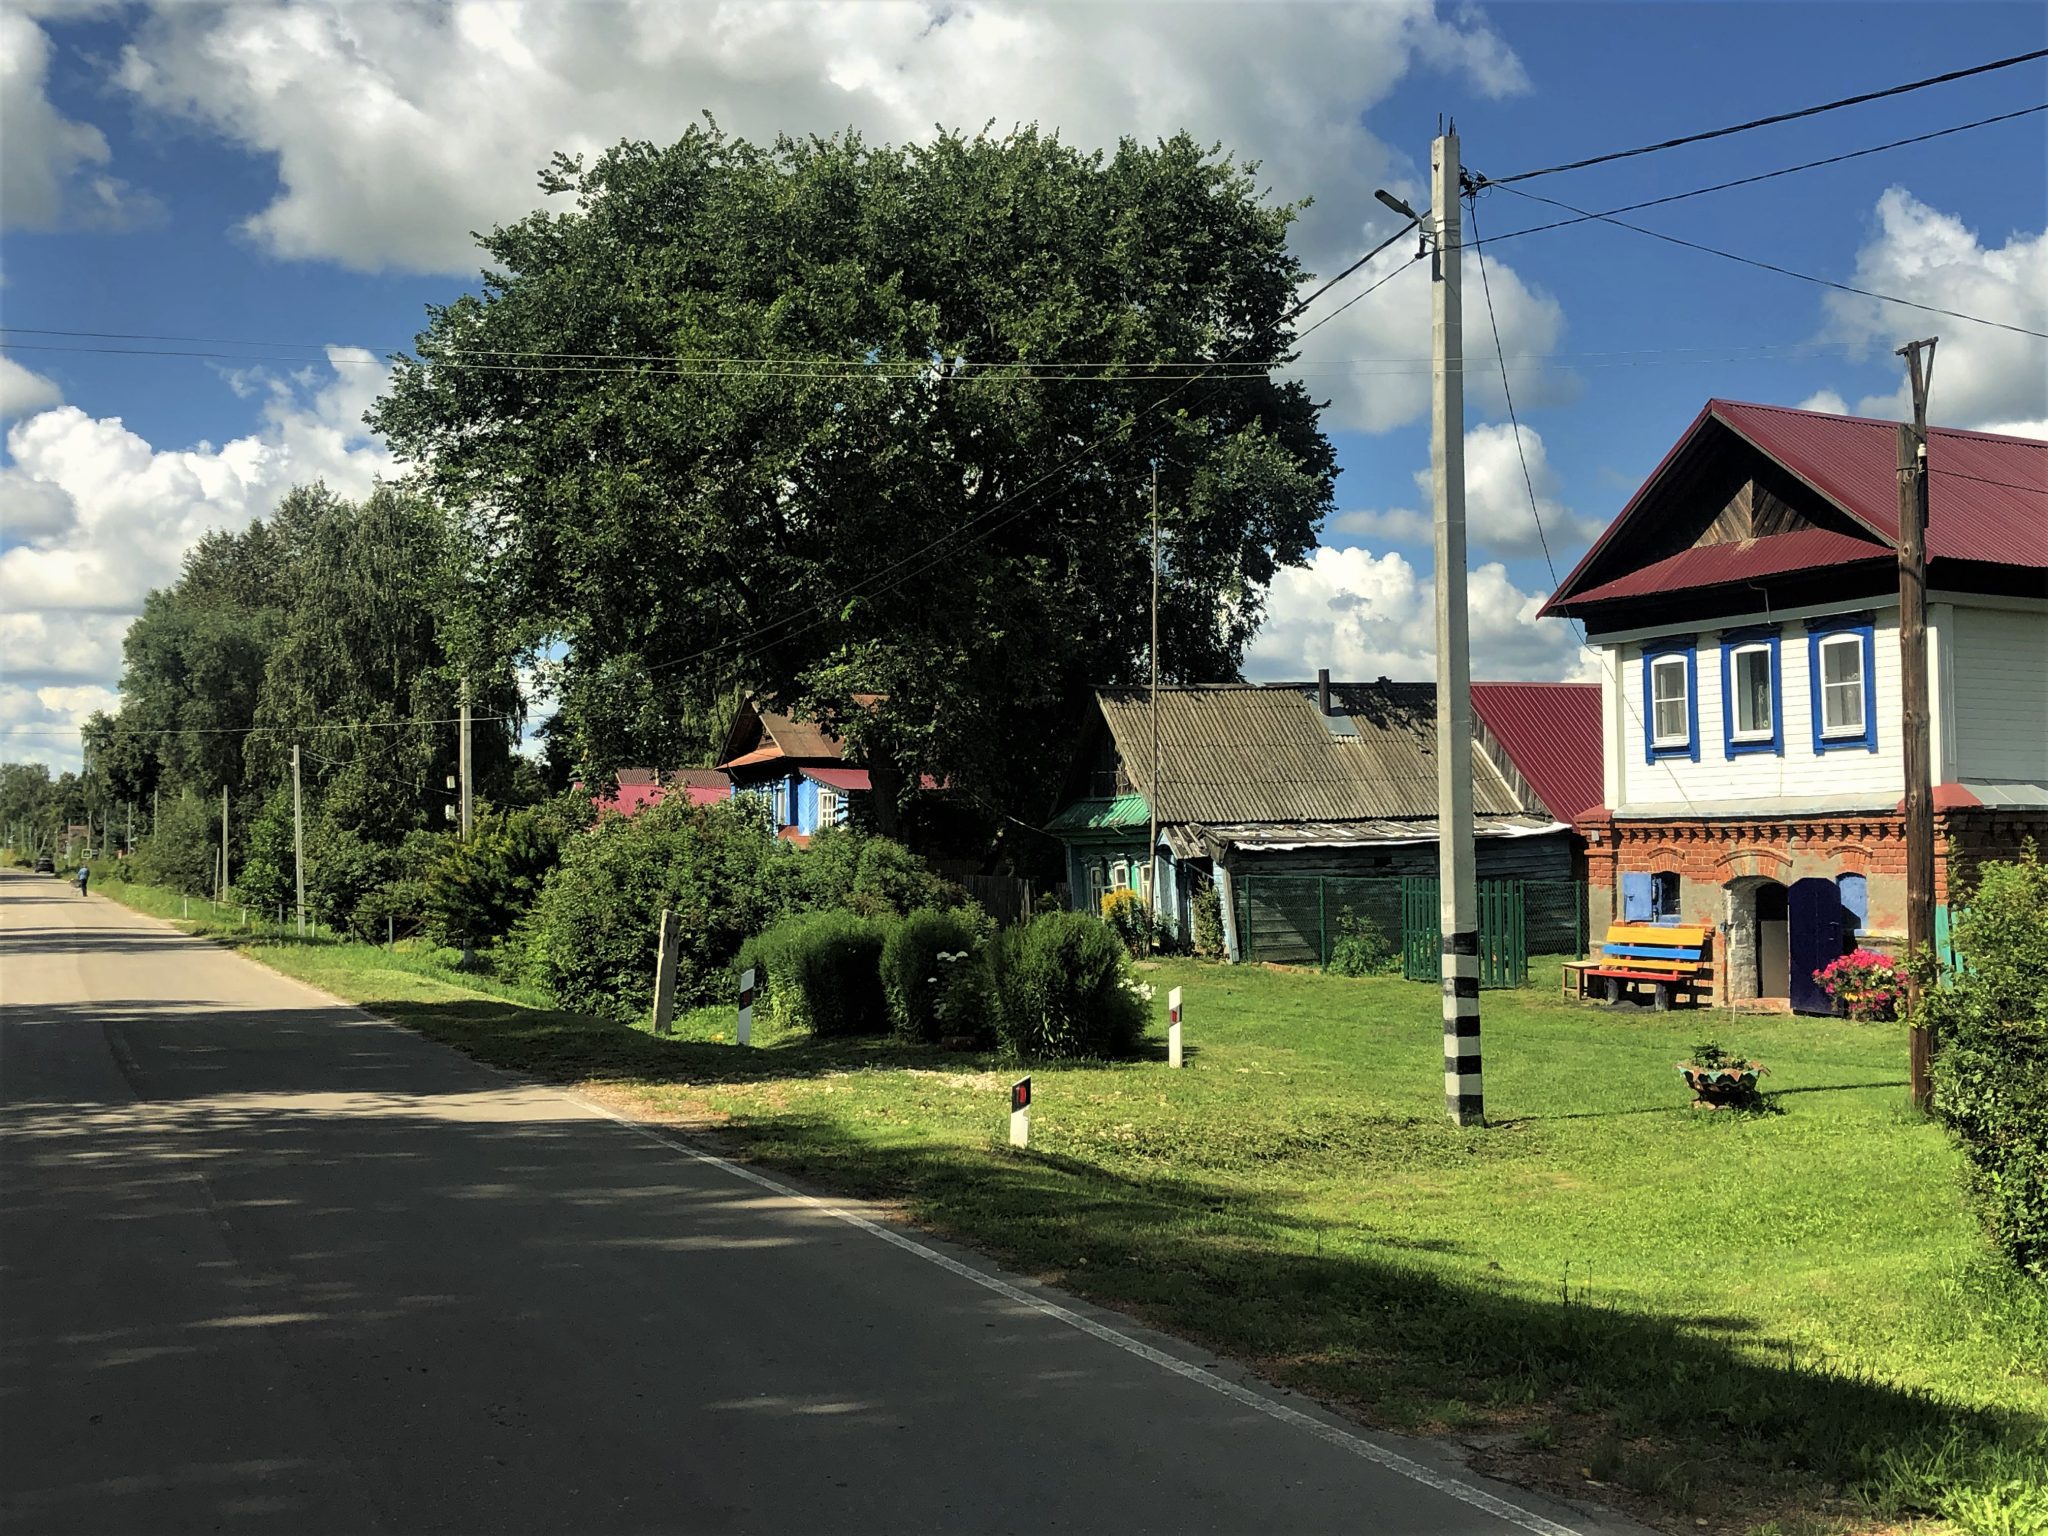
(183, 848)
(1362, 948)
(1208, 922)
(1864, 985)
(935, 974)
(1129, 915)
(591, 938)
(1990, 1025)
(871, 875)
(824, 971)
(474, 891)
(1065, 989)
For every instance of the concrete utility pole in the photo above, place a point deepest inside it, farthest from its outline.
(299, 839)
(223, 842)
(463, 762)
(1152, 789)
(1912, 463)
(1464, 1095)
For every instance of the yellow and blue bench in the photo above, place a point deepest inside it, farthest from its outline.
(1673, 960)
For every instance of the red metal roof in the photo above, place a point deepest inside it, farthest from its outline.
(1719, 565)
(1551, 733)
(838, 778)
(1987, 501)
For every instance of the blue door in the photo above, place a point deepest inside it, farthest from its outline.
(1814, 938)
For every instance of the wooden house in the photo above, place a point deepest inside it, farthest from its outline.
(796, 768)
(1744, 604)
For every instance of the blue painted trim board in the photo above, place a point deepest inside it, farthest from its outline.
(1690, 748)
(1817, 630)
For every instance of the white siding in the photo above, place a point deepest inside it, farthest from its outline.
(1800, 779)
(1998, 693)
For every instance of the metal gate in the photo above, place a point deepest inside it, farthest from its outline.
(1503, 932)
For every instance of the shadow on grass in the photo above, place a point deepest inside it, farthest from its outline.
(1695, 1422)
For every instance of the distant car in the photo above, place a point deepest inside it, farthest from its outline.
(45, 865)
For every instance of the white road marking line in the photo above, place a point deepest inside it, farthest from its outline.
(1393, 1461)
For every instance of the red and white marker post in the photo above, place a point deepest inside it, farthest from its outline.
(1020, 1112)
(1173, 1028)
(745, 1033)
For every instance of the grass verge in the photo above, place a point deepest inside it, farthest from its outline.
(1782, 1321)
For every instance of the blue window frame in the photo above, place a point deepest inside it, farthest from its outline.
(1671, 700)
(1752, 693)
(1841, 669)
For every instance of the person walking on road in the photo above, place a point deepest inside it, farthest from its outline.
(84, 874)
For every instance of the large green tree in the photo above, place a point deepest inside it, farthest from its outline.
(829, 418)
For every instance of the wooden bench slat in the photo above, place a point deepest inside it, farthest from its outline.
(1692, 952)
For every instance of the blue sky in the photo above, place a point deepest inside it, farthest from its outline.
(306, 174)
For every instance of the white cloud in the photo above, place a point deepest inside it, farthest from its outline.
(22, 391)
(40, 724)
(1365, 616)
(1825, 400)
(1496, 502)
(108, 517)
(398, 129)
(1981, 375)
(54, 168)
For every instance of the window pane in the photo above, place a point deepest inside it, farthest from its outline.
(1667, 692)
(1841, 670)
(1753, 692)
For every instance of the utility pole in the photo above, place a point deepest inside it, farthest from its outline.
(1464, 1096)
(223, 842)
(463, 762)
(131, 829)
(299, 839)
(1152, 788)
(1912, 543)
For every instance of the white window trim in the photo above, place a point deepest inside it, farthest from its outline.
(1769, 728)
(1853, 642)
(1684, 736)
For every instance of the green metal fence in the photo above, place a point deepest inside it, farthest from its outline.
(1300, 920)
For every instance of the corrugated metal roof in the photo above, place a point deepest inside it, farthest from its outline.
(1242, 753)
(1987, 501)
(1103, 813)
(1551, 733)
(1723, 565)
(800, 738)
(1987, 495)
(1274, 837)
(848, 779)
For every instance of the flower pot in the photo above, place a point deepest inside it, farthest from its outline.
(1729, 1087)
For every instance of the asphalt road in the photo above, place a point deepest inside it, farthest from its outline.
(269, 1265)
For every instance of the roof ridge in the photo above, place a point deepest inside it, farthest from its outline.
(1877, 421)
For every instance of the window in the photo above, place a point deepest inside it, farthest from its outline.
(1753, 709)
(1839, 659)
(1841, 685)
(1667, 700)
(1670, 701)
(1094, 886)
(1751, 687)
(1119, 876)
(1664, 896)
(828, 807)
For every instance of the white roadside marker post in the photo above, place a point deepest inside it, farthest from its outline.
(1173, 1028)
(1020, 1112)
(744, 1034)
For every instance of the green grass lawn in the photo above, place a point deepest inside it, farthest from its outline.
(1783, 1320)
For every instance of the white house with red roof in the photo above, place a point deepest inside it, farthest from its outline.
(1745, 607)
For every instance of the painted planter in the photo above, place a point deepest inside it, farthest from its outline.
(1726, 1087)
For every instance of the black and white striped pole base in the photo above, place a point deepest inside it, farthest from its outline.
(1464, 1093)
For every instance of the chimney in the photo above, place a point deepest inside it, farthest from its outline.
(1323, 690)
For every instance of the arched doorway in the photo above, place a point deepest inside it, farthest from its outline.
(1759, 940)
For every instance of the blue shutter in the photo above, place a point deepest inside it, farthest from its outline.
(1635, 898)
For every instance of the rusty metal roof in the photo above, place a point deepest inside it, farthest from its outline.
(1987, 502)
(1551, 733)
(1247, 752)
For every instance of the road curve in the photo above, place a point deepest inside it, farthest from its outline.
(270, 1265)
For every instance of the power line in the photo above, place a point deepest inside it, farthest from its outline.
(241, 730)
(1508, 394)
(1779, 117)
(1482, 182)
(2009, 485)
(1768, 266)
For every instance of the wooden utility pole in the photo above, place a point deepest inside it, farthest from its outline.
(1152, 787)
(1464, 1095)
(299, 839)
(463, 762)
(1912, 543)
